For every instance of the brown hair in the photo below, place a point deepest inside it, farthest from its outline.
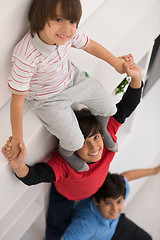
(113, 187)
(88, 123)
(41, 11)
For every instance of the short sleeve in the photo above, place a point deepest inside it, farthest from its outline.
(21, 74)
(80, 39)
(58, 167)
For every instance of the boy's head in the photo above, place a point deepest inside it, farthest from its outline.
(93, 146)
(109, 199)
(43, 11)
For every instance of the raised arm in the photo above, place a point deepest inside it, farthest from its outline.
(132, 96)
(139, 173)
(99, 51)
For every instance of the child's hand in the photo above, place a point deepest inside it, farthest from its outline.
(18, 161)
(121, 60)
(11, 149)
(127, 58)
(132, 70)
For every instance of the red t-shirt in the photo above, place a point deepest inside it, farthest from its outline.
(80, 185)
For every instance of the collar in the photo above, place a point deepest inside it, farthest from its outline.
(42, 47)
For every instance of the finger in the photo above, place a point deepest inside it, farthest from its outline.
(130, 56)
(9, 143)
(6, 148)
(125, 67)
(22, 148)
(11, 158)
(126, 58)
(10, 138)
(2, 149)
(8, 155)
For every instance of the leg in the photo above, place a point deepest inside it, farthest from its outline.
(100, 103)
(108, 141)
(73, 160)
(128, 230)
(59, 215)
(59, 118)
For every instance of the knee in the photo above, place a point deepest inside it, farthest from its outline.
(73, 142)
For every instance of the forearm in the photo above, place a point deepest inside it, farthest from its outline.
(138, 173)
(16, 109)
(99, 51)
(129, 102)
(40, 172)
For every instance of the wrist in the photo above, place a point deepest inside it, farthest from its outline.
(21, 171)
(17, 140)
(136, 82)
(115, 62)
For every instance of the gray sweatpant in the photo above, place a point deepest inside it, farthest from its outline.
(58, 116)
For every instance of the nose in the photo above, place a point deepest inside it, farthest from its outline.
(114, 208)
(93, 145)
(66, 26)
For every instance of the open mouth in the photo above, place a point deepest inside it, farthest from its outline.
(62, 36)
(94, 154)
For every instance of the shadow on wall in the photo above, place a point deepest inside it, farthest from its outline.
(13, 25)
(153, 70)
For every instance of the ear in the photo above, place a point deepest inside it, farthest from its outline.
(95, 201)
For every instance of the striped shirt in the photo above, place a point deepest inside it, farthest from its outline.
(41, 70)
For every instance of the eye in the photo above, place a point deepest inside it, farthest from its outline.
(96, 137)
(107, 202)
(119, 201)
(73, 22)
(84, 142)
(58, 19)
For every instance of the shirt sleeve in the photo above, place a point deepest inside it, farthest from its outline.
(40, 172)
(80, 39)
(128, 103)
(21, 74)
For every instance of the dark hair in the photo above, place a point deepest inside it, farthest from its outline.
(41, 11)
(113, 187)
(88, 123)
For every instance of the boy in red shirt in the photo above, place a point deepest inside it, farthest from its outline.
(69, 185)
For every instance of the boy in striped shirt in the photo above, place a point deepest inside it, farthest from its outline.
(43, 74)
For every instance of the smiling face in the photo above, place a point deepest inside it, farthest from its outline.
(58, 31)
(110, 208)
(92, 149)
